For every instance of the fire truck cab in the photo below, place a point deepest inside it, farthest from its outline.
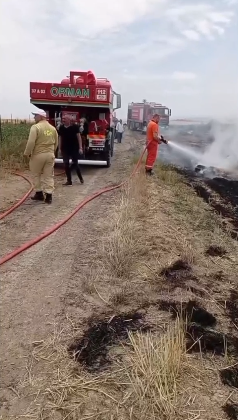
(140, 113)
(90, 102)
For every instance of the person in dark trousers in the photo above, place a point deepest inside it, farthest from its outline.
(70, 146)
(119, 131)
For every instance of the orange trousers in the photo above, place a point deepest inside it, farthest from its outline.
(152, 150)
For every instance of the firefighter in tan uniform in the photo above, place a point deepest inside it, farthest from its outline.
(41, 147)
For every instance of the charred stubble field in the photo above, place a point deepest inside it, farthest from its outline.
(221, 192)
(149, 323)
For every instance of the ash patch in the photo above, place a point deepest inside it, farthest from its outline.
(229, 376)
(205, 340)
(175, 269)
(220, 206)
(232, 306)
(178, 273)
(190, 311)
(92, 349)
(216, 251)
(226, 188)
(197, 314)
(220, 193)
(200, 333)
(231, 410)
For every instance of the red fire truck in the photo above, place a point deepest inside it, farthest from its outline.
(140, 113)
(82, 95)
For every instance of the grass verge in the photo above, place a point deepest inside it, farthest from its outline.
(124, 246)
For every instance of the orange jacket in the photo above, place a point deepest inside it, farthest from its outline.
(152, 128)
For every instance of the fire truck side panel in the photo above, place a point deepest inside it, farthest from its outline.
(74, 94)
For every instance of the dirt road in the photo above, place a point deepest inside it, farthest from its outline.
(36, 290)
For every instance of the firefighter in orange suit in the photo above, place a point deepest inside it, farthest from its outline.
(153, 139)
(41, 147)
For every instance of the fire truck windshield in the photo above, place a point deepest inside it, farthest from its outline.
(161, 111)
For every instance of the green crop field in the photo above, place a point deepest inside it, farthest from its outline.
(13, 141)
(17, 131)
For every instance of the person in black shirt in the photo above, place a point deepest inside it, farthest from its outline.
(70, 145)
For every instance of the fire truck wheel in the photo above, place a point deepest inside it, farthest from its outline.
(108, 159)
(112, 148)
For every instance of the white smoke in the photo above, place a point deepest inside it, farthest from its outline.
(221, 97)
(223, 152)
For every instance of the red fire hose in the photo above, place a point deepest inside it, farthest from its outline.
(25, 196)
(16, 205)
(55, 227)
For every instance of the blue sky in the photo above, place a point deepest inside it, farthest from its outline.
(181, 53)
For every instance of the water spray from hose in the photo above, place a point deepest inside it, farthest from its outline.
(192, 154)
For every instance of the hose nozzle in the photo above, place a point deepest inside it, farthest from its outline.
(163, 140)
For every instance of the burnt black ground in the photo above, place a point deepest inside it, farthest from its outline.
(195, 313)
(178, 274)
(231, 410)
(220, 193)
(208, 340)
(229, 376)
(227, 189)
(175, 269)
(200, 334)
(92, 349)
(216, 251)
(232, 306)
(190, 311)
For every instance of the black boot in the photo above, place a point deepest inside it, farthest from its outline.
(39, 196)
(48, 198)
(79, 174)
(68, 175)
(68, 183)
(149, 172)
